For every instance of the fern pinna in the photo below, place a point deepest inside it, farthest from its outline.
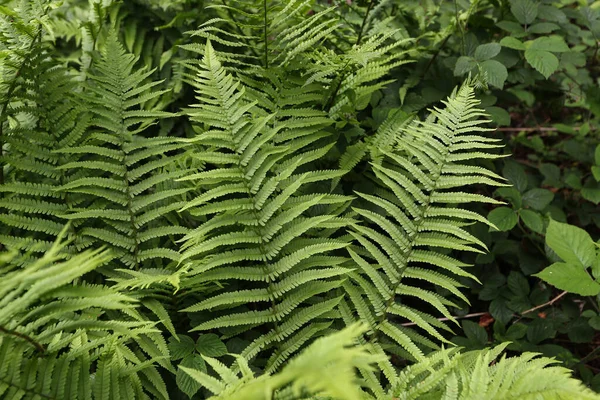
(255, 237)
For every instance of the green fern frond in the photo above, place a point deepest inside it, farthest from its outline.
(413, 214)
(255, 228)
(120, 201)
(480, 374)
(325, 368)
(58, 343)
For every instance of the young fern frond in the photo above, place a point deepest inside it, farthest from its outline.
(482, 374)
(325, 369)
(121, 165)
(51, 348)
(412, 215)
(256, 230)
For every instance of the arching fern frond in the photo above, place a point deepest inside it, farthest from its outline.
(120, 168)
(325, 369)
(482, 374)
(81, 342)
(256, 229)
(413, 218)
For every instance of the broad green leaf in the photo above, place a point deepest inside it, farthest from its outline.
(591, 194)
(486, 51)
(539, 330)
(596, 267)
(525, 11)
(544, 62)
(554, 44)
(182, 348)
(596, 173)
(537, 198)
(475, 333)
(518, 284)
(210, 345)
(551, 175)
(512, 43)
(597, 155)
(543, 27)
(572, 244)
(463, 65)
(515, 29)
(495, 72)
(499, 115)
(186, 383)
(570, 277)
(504, 218)
(551, 13)
(532, 220)
(511, 194)
(515, 175)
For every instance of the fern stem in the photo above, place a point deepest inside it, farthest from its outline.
(413, 239)
(25, 337)
(364, 23)
(329, 103)
(460, 27)
(265, 34)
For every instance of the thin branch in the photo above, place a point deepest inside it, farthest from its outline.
(548, 303)
(535, 129)
(25, 337)
(479, 314)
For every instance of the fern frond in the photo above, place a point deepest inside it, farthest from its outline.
(127, 190)
(412, 215)
(255, 227)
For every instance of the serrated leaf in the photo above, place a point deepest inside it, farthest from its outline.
(182, 348)
(554, 44)
(570, 277)
(518, 284)
(543, 27)
(532, 220)
(512, 43)
(513, 28)
(486, 51)
(504, 218)
(515, 175)
(210, 345)
(572, 244)
(544, 62)
(591, 194)
(495, 72)
(525, 11)
(537, 198)
(184, 381)
(463, 65)
(499, 115)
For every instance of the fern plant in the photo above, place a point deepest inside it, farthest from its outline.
(414, 212)
(65, 340)
(256, 237)
(121, 170)
(247, 211)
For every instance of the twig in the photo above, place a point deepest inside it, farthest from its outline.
(548, 303)
(37, 345)
(479, 314)
(534, 129)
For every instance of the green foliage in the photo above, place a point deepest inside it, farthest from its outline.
(287, 199)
